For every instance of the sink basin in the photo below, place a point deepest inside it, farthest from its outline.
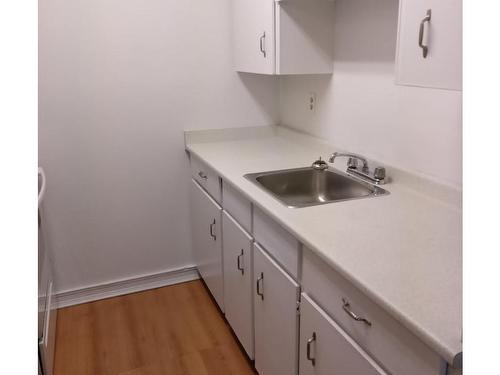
(303, 187)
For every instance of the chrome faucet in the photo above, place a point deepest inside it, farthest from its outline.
(353, 159)
(377, 177)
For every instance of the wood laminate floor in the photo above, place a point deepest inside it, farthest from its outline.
(175, 330)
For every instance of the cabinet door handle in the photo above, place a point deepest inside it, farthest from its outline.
(308, 354)
(202, 175)
(262, 43)
(347, 308)
(212, 234)
(238, 263)
(259, 292)
(427, 19)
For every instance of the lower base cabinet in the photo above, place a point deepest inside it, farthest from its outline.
(252, 280)
(276, 319)
(326, 349)
(237, 244)
(206, 217)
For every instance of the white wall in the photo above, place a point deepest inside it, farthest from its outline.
(119, 81)
(360, 109)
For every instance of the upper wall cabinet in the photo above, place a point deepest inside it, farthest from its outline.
(430, 44)
(283, 37)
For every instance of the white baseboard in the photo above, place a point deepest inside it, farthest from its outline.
(126, 286)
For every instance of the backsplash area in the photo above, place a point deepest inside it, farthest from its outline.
(361, 109)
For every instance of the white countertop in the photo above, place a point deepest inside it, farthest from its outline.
(403, 250)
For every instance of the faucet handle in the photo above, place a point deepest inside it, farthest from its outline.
(379, 173)
(352, 163)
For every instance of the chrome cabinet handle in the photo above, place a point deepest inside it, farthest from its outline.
(347, 308)
(212, 234)
(259, 292)
(43, 189)
(262, 43)
(308, 354)
(202, 175)
(238, 263)
(425, 48)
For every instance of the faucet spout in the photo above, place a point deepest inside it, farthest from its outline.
(377, 177)
(352, 159)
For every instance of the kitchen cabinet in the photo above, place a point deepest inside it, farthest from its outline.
(206, 216)
(261, 299)
(397, 349)
(326, 349)
(283, 37)
(283, 246)
(237, 245)
(206, 177)
(276, 317)
(429, 52)
(237, 206)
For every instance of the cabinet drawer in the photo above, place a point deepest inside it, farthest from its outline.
(277, 241)
(237, 205)
(206, 177)
(326, 349)
(391, 344)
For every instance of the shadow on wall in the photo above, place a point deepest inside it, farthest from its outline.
(360, 36)
(266, 100)
(309, 22)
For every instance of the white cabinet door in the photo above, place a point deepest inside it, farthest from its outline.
(206, 217)
(253, 36)
(326, 349)
(238, 267)
(276, 319)
(442, 34)
(283, 37)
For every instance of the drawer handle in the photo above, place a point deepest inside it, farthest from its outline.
(261, 278)
(238, 263)
(427, 19)
(202, 175)
(308, 354)
(262, 42)
(347, 308)
(212, 234)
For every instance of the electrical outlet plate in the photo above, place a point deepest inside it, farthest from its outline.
(311, 101)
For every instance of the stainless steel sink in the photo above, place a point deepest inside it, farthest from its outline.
(303, 187)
